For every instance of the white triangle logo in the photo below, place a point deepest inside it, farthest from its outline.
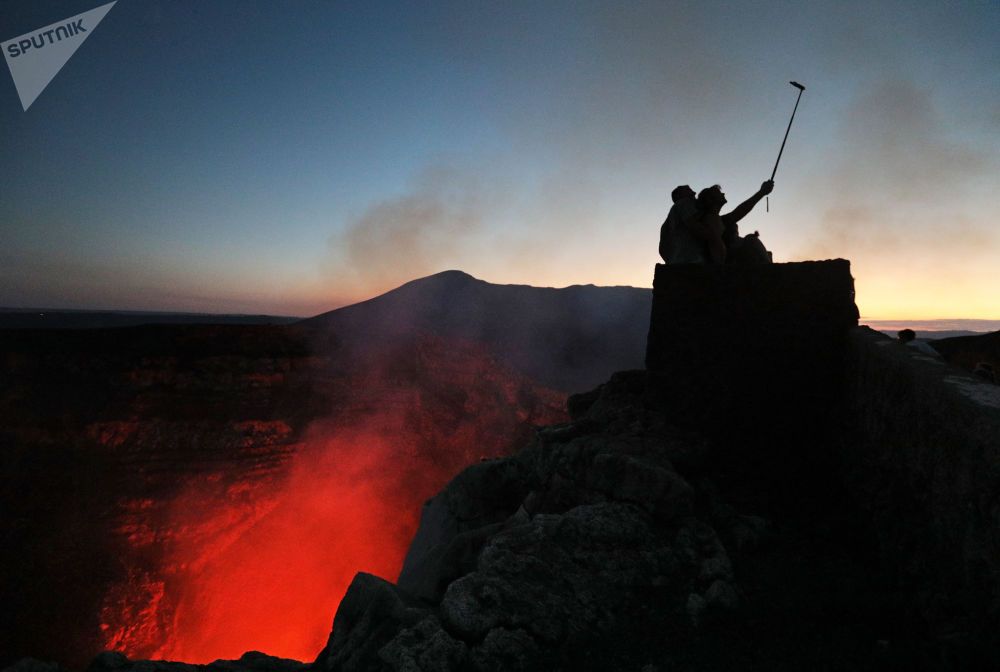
(36, 57)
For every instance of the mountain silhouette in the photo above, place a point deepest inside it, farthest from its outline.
(568, 339)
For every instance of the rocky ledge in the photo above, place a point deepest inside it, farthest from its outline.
(710, 513)
(622, 541)
(583, 549)
(619, 540)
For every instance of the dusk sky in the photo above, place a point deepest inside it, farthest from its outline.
(292, 157)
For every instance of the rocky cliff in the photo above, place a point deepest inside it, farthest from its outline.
(923, 461)
(154, 476)
(778, 489)
(718, 510)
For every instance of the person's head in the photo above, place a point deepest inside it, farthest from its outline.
(712, 197)
(906, 335)
(682, 192)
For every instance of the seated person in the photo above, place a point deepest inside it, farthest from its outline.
(739, 250)
(909, 337)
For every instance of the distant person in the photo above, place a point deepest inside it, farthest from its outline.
(684, 237)
(695, 231)
(909, 338)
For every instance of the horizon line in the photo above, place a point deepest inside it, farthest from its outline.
(927, 324)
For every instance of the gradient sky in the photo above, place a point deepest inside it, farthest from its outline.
(292, 157)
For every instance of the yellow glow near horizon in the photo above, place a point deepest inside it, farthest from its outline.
(888, 293)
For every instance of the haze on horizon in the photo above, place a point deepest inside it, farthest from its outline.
(262, 158)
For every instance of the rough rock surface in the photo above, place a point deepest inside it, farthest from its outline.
(586, 538)
(970, 351)
(925, 465)
(710, 513)
(820, 499)
(618, 541)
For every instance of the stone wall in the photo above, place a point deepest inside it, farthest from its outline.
(753, 353)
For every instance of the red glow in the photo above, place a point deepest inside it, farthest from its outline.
(259, 557)
(277, 585)
(263, 565)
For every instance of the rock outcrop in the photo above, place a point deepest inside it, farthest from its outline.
(923, 460)
(779, 489)
(552, 558)
(971, 352)
(716, 511)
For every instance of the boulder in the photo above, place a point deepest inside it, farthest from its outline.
(455, 524)
(522, 563)
(372, 612)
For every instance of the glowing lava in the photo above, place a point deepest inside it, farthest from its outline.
(244, 559)
(276, 587)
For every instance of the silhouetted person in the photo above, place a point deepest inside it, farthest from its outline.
(909, 337)
(696, 232)
(738, 250)
(684, 239)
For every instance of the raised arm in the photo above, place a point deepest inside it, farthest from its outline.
(744, 208)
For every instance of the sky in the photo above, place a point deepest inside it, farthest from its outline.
(289, 158)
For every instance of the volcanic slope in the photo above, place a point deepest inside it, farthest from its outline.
(568, 339)
(168, 441)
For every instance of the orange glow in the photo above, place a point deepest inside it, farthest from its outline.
(263, 566)
(888, 298)
(276, 586)
(257, 556)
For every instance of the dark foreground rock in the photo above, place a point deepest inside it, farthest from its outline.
(714, 512)
(618, 541)
(924, 464)
(973, 352)
(788, 492)
(551, 559)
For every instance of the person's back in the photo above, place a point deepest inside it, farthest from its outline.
(748, 251)
(908, 337)
(678, 243)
